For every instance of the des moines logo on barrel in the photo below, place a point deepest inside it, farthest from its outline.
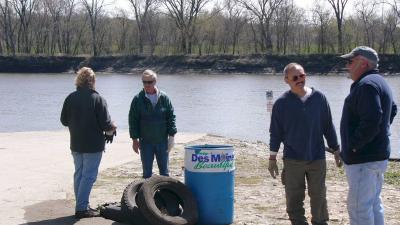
(212, 161)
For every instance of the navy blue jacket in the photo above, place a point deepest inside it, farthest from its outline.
(86, 115)
(367, 114)
(302, 126)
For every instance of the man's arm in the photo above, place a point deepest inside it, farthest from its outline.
(134, 119)
(103, 117)
(329, 128)
(393, 112)
(171, 119)
(276, 137)
(64, 113)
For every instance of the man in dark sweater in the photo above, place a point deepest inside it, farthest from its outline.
(86, 115)
(301, 118)
(367, 114)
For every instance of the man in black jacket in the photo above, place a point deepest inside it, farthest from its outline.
(367, 114)
(86, 115)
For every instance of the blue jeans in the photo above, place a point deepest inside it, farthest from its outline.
(147, 152)
(364, 203)
(86, 170)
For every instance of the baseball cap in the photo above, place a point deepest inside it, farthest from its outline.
(364, 51)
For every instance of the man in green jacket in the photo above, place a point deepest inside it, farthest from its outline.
(152, 125)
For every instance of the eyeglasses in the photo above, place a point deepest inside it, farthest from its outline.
(148, 81)
(351, 61)
(297, 77)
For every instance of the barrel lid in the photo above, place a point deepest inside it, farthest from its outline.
(208, 147)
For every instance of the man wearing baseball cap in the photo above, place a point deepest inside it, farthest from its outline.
(368, 111)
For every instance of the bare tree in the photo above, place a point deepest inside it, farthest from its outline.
(7, 25)
(263, 10)
(338, 7)
(285, 15)
(66, 27)
(321, 19)
(41, 29)
(122, 33)
(142, 9)
(55, 9)
(24, 10)
(185, 14)
(94, 8)
(367, 13)
(234, 22)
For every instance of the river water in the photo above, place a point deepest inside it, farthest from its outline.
(229, 105)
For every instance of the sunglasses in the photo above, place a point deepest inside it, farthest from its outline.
(148, 81)
(297, 77)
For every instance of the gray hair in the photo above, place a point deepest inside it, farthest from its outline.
(85, 77)
(372, 65)
(149, 73)
(290, 66)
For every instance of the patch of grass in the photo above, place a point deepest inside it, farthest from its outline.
(392, 175)
(392, 178)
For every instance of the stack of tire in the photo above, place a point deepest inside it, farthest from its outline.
(158, 200)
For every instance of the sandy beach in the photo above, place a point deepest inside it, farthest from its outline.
(37, 168)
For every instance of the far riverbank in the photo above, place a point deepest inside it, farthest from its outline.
(179, 64)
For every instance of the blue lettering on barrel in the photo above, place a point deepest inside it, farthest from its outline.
(200, 158)
(215, 158)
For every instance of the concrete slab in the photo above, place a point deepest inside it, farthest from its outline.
(37, 168)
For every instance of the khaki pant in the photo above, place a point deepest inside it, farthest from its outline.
(295, 176)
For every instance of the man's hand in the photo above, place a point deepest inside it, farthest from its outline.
(136, 145)
(109, 136)
(338, 160)
(273, 168)
(171, 143)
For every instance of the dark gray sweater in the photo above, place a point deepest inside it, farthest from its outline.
(301, 126)
(86, 115)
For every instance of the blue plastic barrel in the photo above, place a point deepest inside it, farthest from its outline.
(209, 174)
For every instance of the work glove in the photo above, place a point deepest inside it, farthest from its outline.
(171, 143)
(109, 136)
(338, 159)
(273, 168)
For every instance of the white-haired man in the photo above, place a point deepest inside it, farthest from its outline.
(152, 125)
(367, 114)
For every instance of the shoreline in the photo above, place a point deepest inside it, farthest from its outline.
(179, 64)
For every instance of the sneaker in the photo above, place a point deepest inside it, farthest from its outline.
(86, 213)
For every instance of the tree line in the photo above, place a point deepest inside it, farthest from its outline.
(196, 27)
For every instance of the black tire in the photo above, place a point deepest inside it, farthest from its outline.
(129, 207)
(112, 211)
(147, 204)
(167, 202)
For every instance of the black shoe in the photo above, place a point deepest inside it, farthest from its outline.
(86, 213)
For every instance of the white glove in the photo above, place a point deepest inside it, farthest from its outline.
(171, 143)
